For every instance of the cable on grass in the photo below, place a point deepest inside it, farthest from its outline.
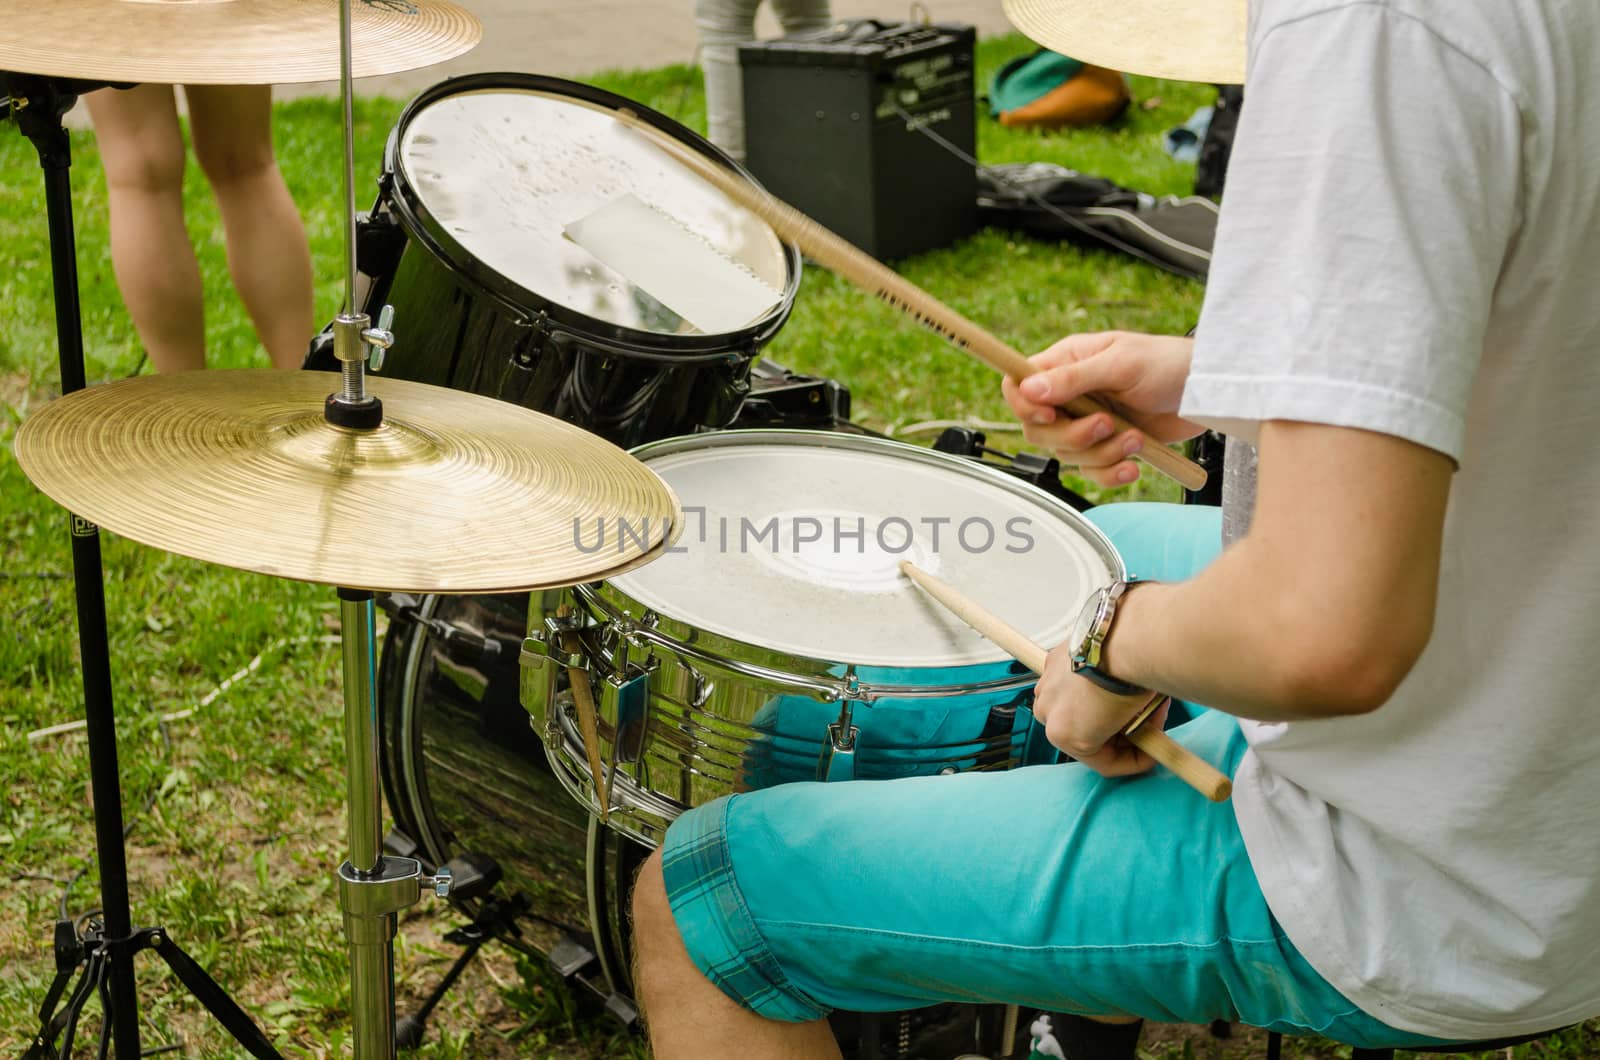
(929, 426)
(1033, 196)
(206, 700)
(162, 727)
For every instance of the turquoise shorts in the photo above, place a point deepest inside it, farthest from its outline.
(1047, 886)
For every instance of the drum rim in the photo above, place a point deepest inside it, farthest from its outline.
(398, 193)
(812, 668)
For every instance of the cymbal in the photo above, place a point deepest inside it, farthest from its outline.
(1185, 40)
(454, 493)
(227, 42)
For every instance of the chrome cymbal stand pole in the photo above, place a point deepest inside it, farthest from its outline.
(373, 888)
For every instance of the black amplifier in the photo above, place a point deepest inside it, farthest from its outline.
(832, 124)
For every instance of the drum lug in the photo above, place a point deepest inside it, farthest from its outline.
(525, 350)
(547, 645)
(838, 759)
(379, 242)
(703, 687)
(625, 701)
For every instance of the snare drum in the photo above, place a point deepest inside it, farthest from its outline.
(481, 175)
(779, 641)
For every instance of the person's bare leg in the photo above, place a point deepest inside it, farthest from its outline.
(687, 1017)
(141, 148)
(268, 255)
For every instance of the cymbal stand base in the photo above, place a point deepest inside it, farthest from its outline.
(38, 105)
(92, 953)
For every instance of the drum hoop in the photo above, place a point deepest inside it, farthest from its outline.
(636, 810)
(418, 222)
(414, 781)
(818, 674)
(620, 608)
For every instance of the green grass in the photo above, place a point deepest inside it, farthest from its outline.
(236, 814)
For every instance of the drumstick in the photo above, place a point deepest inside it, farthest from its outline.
(871, 275)
(1188, 766)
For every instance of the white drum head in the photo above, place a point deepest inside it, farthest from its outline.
(793, 540)
(504, 170)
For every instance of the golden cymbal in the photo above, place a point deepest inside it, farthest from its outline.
(1186, 40)
(227, 42)
(454, 493)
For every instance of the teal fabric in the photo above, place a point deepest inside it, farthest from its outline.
(896, 737)
(1023, 80)
(1161, 542)
(1048, 886)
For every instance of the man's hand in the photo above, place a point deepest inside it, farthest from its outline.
(1086, 721)
(1143, 375)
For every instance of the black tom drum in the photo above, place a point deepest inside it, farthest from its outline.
(481, 176)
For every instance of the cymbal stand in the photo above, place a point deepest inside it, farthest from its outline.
(38, 105)
(373, 887)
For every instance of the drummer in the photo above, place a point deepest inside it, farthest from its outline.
(141, 147)
(1398, 647)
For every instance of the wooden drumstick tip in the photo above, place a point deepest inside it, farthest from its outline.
(1183, 763)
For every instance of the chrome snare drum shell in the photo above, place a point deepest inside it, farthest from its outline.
(734, 672)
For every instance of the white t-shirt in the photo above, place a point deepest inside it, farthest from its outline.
(1411, 245)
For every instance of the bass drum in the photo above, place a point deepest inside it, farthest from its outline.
(465, 777)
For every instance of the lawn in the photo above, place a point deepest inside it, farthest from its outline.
(235, 812)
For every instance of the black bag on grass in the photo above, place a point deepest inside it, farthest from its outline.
(1048, 201)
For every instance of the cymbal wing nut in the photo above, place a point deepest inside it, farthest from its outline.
(380, 338)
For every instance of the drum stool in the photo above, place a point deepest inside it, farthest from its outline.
(1275, 1046)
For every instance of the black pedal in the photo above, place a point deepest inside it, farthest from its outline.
(399, 844)
(570, 957)
(623, 1009)
(472, 875)
(835, 126)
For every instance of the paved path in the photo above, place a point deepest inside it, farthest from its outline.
(568, 39)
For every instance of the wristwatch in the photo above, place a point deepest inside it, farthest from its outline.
(1089, 634)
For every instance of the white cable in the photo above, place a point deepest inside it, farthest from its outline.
(206, 700)
(929, 426)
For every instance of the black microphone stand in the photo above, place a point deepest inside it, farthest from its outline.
(105, 953)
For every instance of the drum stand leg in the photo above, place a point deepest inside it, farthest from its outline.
(106, 952)
(373, 887)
